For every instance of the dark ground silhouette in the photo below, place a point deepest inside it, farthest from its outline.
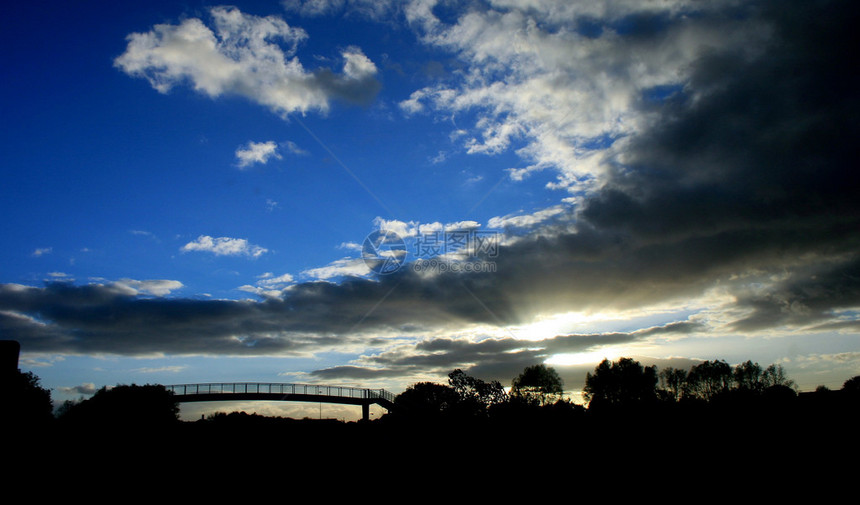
(475, 428)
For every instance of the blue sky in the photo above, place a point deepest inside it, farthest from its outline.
(187, 189)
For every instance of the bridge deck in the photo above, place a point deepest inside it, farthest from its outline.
(234, 391)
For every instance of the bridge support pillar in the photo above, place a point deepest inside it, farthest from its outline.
(365, 411)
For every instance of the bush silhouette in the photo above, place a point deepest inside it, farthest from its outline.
(125, 405)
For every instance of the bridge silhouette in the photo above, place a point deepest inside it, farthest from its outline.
(285, 392)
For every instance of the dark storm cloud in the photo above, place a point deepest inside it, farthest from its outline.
(355, 372)
(809, 296)
(62, 317)
(752, 165)
(749, 168)
(751, 144)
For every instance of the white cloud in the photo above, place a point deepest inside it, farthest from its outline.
(439, 158)
(294, 148)
(270, 280)
(413, 104)
(462, 226)
(87, 388)
(157, 287)
(262, 292)
(842, 358)
(42, 251)
(530, 77)
(257, 152)
(401, 228)
(269, 286)
(162, 369)
(245, 55)
(406, 229)
(343, 267)
(351, 246)
(373, 9)
(526, 220)
(224, 246)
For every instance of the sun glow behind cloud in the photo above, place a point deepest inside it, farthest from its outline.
(561, 324)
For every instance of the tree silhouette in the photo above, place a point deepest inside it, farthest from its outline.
(538, 384)
(25, 402)
(749, 376)
(709, 379)
(774, 375)
(621, 383)
(427, 399)
(475, 394)
(673, 381)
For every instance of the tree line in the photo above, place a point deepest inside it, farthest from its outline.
(626, 382)
(538, 392)
(615, 387)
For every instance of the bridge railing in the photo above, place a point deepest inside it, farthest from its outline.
(277, 388)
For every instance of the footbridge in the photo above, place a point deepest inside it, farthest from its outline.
(237, 391)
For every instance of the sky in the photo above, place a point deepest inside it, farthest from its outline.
(375, 193)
